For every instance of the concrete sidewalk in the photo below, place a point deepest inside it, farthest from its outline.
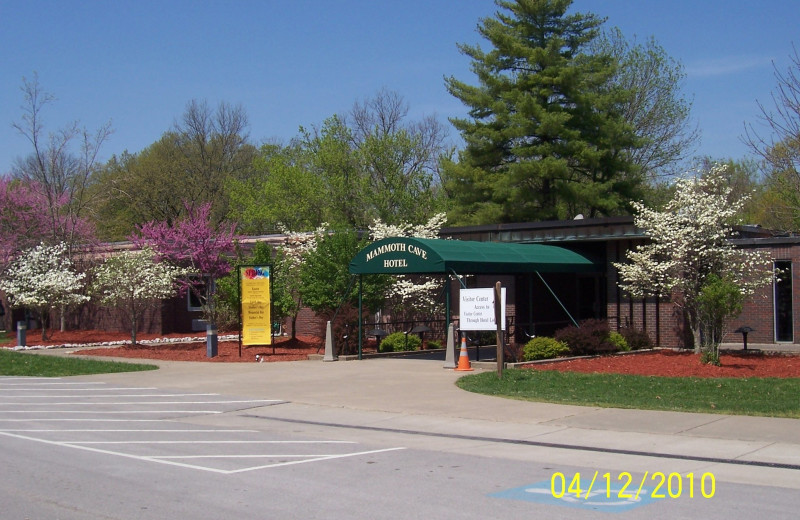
(397, 396)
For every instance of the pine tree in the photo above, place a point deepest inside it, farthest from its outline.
(545, 134)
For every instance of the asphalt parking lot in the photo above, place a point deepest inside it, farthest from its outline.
(143, 423)
(378, 439)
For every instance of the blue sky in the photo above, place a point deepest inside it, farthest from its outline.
(295, 63)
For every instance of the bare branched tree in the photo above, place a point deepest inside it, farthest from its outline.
(777, 142)
(398, 156)
(214, 144)
(55, 167)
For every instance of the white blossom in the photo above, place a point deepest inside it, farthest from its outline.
(43, 278)
(134, 275)
(423, 291)
(133, 281)
(689, 240)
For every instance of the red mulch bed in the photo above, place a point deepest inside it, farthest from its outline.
(682, 364)
(286, 349)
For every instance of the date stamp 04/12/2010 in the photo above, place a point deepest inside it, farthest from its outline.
(624, 486)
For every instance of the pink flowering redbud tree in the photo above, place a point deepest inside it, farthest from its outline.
(199, 246)
(25, 220)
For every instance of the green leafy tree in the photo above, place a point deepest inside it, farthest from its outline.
(190, 165)
(546, 136)
(134, 281)
(334, 160)
(327, 286)
(371, 163)
(720, 301)
(325, 277)
(399, 158)
(654, 105)
(284, 192)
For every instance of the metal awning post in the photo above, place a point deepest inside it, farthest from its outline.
(559, 301)
(360, 314)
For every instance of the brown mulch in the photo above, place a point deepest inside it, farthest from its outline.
(285, 349)
(682, 364)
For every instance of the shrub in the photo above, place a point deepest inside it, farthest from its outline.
(619, 341)
(433, 344)
(592, 337)
(636, 339)
(543, 348)
(399, 342)
(710, 357)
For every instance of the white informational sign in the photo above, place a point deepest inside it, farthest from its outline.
(476, 309)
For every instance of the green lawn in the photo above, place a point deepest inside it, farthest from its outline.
(27, 364)
(772, 397)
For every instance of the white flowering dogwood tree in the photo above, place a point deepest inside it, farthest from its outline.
(421, 292)
(134, 281)
(289, 263)
(42, 278)
(688, 242)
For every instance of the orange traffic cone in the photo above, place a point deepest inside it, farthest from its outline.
(463, 358)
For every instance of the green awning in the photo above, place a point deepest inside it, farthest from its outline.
(403, 255)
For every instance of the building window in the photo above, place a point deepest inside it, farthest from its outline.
(193, 300)
(784, 326)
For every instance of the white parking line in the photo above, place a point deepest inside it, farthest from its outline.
(94, 430)
(92, 403)
(164, 460)
(93, 389)
(212, 442)
(61, 395)
(89, 420)
(325, 457)
(54, 383)
(88, 403)
(111, 411)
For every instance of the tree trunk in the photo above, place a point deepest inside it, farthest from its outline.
(696, 337)
(43, 318)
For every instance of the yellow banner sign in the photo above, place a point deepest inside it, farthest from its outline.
(255, 290)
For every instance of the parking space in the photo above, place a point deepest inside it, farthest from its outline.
(143, 423)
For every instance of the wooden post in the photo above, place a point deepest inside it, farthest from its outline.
(498, 316)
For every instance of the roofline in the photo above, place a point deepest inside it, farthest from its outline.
(539, 225)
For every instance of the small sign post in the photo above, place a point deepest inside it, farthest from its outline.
(256, 324)
(478, 310)
(499, 302)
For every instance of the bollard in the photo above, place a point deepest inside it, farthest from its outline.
(211, 340)
(22, 327)
(329, 355)
(450, 353)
